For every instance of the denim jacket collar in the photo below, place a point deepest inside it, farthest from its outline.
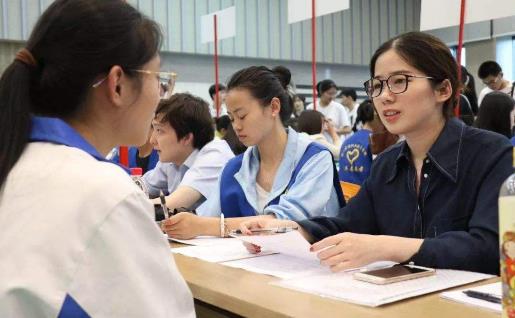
(444, 153)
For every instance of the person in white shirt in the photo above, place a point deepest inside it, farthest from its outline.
(348, 98)
(78, 237)
(313, 124)
(332, 111)
(190, 161)
(220, 102)
(492, 76)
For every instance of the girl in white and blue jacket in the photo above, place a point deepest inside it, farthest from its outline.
(78, 237)
(282, 175)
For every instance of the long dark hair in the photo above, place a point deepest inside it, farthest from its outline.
(427, 54)
(469, 88)
(73, 43)
(265, 84)
(494, 113)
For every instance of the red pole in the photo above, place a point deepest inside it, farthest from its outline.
(124, 156)
(217, 95)
(313, 52)
(458, 57)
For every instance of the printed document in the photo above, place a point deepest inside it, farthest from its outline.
(493, 289)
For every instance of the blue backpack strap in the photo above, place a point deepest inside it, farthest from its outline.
(313, 149)
(233, 201)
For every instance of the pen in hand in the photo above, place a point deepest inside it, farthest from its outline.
(483, 296)
(271, 230)
(163, 204)
(179, 210)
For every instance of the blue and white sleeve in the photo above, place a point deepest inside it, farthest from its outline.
(312, 194)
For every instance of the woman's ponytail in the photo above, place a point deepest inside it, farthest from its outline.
(15, 107)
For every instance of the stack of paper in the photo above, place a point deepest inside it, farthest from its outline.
(278, 265)
(342, 286)
(287, 256)
(289, 243)
(204, 240)
(293, 259)
(217, 253)
(493, 289)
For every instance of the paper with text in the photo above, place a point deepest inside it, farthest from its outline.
(289, 243)
(279, 265)
(218, 253)
(459, 296)
(342, 286)
(204, 240)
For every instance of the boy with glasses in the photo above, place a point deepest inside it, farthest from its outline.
(491, 75)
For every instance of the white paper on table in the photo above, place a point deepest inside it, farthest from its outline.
(290, 243)
(218, 253)
(287, 267)
(205, 240)
(493, 289)
(342, 286)
(279, 265)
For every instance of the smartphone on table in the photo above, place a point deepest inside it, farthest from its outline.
(394, 274)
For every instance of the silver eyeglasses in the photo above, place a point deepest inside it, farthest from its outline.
(397, 84)
(166, 80)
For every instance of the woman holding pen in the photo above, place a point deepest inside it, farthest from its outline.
(78, 237)
(431, 199)
(276, 175)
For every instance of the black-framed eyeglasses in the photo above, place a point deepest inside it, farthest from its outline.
(397, 84)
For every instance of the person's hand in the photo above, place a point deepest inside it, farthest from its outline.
(252, 248)
(183, 226)
(349, 250)
(262, 223)
(329, 127)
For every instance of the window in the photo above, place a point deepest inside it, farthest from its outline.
(454, 52)
(505, 55)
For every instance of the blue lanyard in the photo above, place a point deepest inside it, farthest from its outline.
(55, 130)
